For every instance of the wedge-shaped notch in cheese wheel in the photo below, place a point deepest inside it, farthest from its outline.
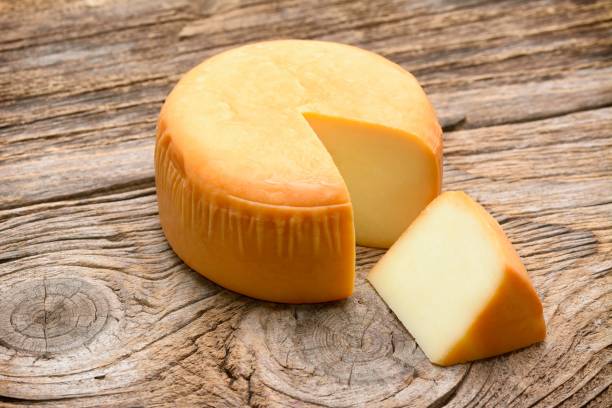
(271, 157)
(457, 284)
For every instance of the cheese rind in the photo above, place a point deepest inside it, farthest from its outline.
(457, 284)
(248, 194)
(274, 253)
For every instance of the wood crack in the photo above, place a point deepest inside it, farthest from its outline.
(136, 185)
(464, 124)
(46, 312)
(81, 113)
(63, 39)
(66, 93)
(448, 396)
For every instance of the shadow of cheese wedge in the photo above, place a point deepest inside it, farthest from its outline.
(457, 284)
(272, 157)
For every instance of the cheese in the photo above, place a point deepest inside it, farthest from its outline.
(265, 153)
(456, 283)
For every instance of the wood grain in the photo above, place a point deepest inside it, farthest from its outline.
(95, 308)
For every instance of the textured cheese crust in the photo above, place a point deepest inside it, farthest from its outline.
(457, 284)
(248, 194)
(275, 253)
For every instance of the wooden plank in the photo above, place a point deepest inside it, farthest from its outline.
(170, 335)
(110, 150)
(52, 105)
(465, 46)
(448, 44)
(95, 308)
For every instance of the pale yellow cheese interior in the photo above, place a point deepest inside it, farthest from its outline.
(455, 282)
(265, 152)
(390, 175)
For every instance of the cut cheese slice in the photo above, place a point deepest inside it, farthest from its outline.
(266, 151)
(457, 284)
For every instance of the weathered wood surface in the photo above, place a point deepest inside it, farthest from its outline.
(96, 310)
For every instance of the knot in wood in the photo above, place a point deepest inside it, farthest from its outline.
(341, 340)
(353, 348)
(52, 315)
(355, 342)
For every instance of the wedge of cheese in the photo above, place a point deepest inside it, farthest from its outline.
(272, 156)
(457, 284)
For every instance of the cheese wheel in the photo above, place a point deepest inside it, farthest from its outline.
(271, 157)
(457, 284)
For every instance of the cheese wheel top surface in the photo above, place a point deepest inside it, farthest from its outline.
(237, 120)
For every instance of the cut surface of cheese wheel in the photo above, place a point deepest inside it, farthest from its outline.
(457, 284)
(266, 152)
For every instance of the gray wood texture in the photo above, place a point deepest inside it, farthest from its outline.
(95, 308)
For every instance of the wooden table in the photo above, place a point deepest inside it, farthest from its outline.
(95, 309)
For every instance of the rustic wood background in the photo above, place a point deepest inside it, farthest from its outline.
(96, 310)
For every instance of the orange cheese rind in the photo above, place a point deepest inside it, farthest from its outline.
(229, 239)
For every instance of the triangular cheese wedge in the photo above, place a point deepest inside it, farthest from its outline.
(457, 284)
(271, 157)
